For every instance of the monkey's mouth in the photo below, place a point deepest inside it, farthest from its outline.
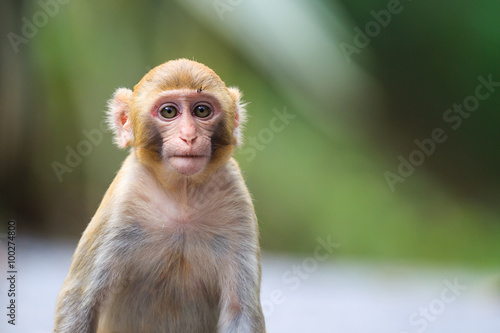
(189, 156)
(188, 164)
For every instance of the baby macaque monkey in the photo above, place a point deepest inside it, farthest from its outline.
(173, 246)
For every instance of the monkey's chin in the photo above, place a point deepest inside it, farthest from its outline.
(188, 165)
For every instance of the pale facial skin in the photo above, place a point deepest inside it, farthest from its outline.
(186, 120)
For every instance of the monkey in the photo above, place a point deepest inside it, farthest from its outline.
(173, 246)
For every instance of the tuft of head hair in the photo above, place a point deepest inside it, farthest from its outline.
(241, 115)
(179, 74)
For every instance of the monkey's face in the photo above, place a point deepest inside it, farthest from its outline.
(180, 117)
(186, 121)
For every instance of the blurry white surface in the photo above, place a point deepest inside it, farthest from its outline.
(298, 295)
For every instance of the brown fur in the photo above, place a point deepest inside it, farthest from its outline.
(167, 252)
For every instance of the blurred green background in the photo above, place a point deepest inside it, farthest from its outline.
(356, 102)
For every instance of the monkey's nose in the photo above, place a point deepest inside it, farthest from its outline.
(189, 140)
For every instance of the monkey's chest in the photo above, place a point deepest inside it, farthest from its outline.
(177, 291)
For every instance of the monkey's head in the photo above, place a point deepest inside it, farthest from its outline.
(180, 117)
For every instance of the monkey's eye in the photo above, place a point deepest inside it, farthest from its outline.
(168, 112)
(202, 111)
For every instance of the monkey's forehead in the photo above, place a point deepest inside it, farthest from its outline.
(155, 98)
(181, 74)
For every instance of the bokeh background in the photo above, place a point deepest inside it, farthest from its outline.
(355, 104)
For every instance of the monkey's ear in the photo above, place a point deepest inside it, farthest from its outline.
(118, 116)
(241, 115)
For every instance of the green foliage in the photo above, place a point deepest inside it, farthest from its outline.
(323, 172)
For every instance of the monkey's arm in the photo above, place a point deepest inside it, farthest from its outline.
(241, 310)
(76, 310)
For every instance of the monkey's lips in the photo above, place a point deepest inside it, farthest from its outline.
(188, 164)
